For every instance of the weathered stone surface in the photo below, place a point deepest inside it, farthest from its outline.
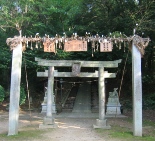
(82, 74)
(137, 91)
(113, 105)
(68, 63)
(15, 90)
(83, 100)
(101, 124)
(48, 122)
(44, 104)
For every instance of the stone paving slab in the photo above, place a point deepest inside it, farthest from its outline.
(83, 99)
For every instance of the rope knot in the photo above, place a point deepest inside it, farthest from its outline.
(140, 43)
(13, 42)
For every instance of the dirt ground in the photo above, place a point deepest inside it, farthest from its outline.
(70, 129)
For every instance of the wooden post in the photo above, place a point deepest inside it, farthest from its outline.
(15, 90)
(137, 91)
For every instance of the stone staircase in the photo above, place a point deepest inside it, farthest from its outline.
(83, 99)
(69, 103)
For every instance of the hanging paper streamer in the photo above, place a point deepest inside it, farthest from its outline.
(119, 45)
(76, 43)
(97, 45)
(93, 48)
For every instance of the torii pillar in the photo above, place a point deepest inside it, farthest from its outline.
(48, 121)
(15, 89)
(101, 122)
(136, 91)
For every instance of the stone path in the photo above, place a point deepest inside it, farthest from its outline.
(72, 129)
(69, 128)
(83, 99)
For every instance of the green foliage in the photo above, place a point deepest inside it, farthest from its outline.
(147, 79)
(148, 91)
(22, 96)
(148, 123)
(94, 16)
(2, 93)
(13, 14)
(149, 101)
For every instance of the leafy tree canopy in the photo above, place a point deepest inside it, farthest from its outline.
(58, 16)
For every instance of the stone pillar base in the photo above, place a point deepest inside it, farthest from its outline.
(102, 124)
(44, 108)
(48, 122)
(113, 110)
(44, 126)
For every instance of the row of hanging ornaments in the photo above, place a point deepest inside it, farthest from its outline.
(76, 43)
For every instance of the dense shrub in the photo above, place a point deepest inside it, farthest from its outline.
(2, 93)
(149, 101)
(22, 96)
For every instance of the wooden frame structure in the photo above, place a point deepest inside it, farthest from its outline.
(138, 46)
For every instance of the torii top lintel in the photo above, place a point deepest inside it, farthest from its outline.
(69, 63)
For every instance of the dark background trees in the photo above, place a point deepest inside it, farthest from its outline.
(95, 16)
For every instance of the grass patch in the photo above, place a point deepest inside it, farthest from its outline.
(130, 120)
(148, 123)
(23, 135)
(128, 136)
(145, 122)
(123, 133)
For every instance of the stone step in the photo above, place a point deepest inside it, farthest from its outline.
(83, 100)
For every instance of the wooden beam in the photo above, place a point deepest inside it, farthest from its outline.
(68, 63)
(82, 74)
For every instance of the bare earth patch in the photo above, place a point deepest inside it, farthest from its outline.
(70, 129)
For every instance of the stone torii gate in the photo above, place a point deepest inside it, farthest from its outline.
(138, 45)
(100, 74)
